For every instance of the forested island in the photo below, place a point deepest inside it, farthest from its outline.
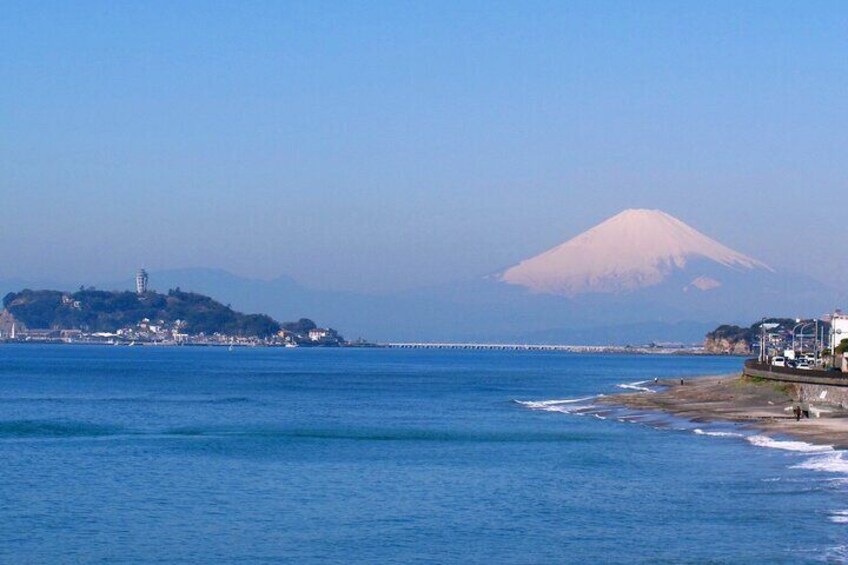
(175, 317)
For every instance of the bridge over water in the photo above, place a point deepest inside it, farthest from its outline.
(522, 347)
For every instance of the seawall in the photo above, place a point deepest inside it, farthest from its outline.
(815, 386)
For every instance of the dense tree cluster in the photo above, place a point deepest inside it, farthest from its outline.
(302, 326)
(731, 333)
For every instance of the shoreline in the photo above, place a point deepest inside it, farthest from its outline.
(753, 405)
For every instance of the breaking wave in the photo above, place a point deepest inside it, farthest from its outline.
(828, 462)
(788, 445)
(542, 404)
(636, 386)
(565, 405)
(701, 432)
(839, 517)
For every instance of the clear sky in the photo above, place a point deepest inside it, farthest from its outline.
(383, 145)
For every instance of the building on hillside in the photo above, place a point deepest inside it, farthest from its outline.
(71, 303)
(141, 281)
(324, 336)
(287, 337)
(318, 334)
(838, 329)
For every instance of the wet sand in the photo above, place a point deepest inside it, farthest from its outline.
(756, 405)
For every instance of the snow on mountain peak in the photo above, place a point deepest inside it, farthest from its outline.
(633, 249)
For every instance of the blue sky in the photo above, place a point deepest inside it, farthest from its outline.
(382, 145)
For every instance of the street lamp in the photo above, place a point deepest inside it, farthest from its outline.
(798, 325)
(763, 327)
(816, 339)
(801, 335)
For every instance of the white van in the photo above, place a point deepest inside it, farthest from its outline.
(778, 361)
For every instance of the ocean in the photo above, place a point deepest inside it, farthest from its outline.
(204, 455)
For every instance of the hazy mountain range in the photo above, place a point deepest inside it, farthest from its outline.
(640, 276)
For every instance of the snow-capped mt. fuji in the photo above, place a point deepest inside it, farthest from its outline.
(632, 250)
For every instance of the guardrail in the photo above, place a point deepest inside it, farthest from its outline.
(754, 368)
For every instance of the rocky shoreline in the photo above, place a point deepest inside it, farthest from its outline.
(753, 404)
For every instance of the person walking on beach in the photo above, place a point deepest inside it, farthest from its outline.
(797, 412)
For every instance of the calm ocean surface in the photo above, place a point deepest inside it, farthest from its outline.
(181, 455)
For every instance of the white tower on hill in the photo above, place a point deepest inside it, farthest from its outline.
(141, 281)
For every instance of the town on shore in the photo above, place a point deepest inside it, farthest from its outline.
(803, 344)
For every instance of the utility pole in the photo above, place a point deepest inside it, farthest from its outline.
(762, 340)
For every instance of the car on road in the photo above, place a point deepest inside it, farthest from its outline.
(803, 364)
(778, 361)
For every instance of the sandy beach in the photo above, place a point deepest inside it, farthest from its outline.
(756, 405)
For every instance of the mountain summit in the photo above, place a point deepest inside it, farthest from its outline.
(632, 250)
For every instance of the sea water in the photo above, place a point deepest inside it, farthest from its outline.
(204, 455)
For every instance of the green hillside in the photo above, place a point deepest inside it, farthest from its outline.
(107, 311)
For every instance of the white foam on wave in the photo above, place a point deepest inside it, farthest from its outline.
(832, 462)
(701, 432)
(565, 405)
(564, 409)
(543, 403)
(788, 445)
(636, 386)
(839, 517)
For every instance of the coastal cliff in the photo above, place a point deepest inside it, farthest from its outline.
(726, 346)
(729, 340)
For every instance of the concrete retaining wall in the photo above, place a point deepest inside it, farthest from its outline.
(812, 394)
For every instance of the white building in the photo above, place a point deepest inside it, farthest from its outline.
(318, 334)
(838, 329)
